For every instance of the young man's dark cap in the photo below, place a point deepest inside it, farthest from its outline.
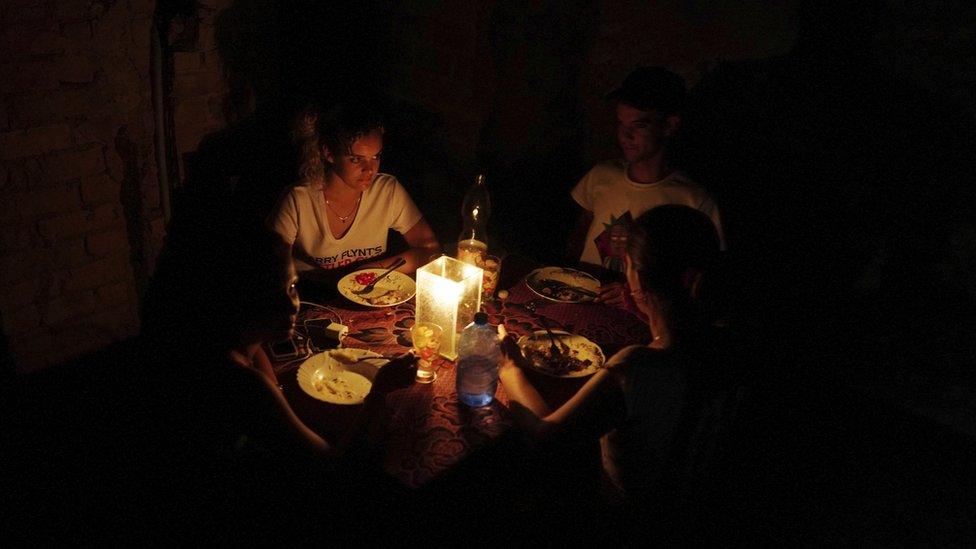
(651, 88)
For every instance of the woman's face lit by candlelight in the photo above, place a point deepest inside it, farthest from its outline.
(357, 167)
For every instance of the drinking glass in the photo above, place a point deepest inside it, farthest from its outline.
(489, 283)
(472, 251)
(426, 338)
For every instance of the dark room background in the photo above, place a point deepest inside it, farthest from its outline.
(836, 137)
(110, 107)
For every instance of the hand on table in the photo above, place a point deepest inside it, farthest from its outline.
(614, 294)
(511, 354)
(396, 374)
(617, 294)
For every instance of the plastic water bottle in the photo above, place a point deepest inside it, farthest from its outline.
(477, 367)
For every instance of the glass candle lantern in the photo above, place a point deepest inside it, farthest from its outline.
(448, 294)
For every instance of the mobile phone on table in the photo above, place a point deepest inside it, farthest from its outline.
(285, 350)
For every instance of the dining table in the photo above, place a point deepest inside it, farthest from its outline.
(428, 432)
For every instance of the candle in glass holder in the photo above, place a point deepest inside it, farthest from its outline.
(448, 294)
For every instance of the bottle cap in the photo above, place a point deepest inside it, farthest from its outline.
(481, 317)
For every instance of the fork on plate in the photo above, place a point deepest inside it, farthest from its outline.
(553, 345)
(369, 287)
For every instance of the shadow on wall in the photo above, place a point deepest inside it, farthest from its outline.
(133, 173)
(247, 37)
(846, 198)
(244, 167)
(531, 143)
(416, 152)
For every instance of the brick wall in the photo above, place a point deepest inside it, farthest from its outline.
(199, 88)
(80, 222)
(75, 162)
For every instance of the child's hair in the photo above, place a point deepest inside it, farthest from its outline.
(337, 129)
(673, 248)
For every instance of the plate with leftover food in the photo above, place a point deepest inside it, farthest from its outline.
(393, 289)
(563, 285)
(577, 357)
(340, 376)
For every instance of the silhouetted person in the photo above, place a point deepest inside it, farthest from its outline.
(243, 169)
(650, 401)
(233, 462)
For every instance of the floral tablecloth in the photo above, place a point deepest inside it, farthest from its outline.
(428, 431)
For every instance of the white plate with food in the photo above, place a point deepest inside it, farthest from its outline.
(393, 289)
(578, 356)
(340, 376)
(563, 285)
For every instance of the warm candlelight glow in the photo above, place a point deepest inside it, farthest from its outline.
(446, 291)
(448, 294)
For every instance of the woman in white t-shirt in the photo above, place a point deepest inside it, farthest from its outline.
(338, 216)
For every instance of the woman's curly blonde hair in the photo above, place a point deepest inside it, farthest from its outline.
(336, 129)
(311, 168)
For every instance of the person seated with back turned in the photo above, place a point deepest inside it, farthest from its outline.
(613, 193)
(230, 447)
(638, 403)
(336, 219)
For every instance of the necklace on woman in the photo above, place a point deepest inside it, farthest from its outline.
(344, 218)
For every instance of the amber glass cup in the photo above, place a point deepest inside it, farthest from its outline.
(489, 283)
(426, 338)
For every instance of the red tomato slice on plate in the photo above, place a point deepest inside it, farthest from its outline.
(365, 278)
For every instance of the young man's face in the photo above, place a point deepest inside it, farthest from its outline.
(642, 134)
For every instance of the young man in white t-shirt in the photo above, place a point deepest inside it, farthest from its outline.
(648, 110)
